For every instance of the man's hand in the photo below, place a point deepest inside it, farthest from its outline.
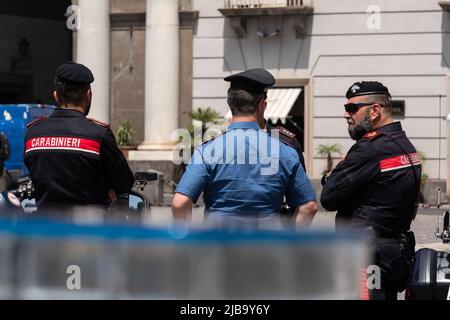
(325, 175)
(304, 214)
(112, 196)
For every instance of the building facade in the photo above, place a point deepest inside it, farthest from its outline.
(321, 47)
(404, 44)
(156, 60)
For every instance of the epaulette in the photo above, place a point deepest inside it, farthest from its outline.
(285, 132)
(32, 123)
(103, 124)
(373, 135)
(285, 136)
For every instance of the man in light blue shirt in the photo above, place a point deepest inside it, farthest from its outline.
(246, 172)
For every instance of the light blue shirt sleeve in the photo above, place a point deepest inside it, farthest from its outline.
(300, 190)
(195, 178)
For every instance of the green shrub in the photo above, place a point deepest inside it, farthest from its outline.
(125, 134)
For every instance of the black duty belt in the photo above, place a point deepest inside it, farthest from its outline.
(383, 234)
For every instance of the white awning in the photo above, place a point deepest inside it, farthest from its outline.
(279, 103)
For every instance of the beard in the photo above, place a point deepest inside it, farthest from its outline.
(357, 131)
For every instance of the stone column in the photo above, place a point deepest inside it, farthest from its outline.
(161, 74)
(448, 136)
(187, 21)
(94, 51)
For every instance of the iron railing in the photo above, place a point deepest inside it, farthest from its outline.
(248, 4)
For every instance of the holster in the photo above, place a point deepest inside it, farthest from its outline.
(286, 210)
(408, 245)
(408, 249)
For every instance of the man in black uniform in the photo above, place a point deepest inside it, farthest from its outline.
(376, 186)
(287, 137)
(287, 212)
(74, 160)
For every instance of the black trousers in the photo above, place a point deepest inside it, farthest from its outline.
(393, 263)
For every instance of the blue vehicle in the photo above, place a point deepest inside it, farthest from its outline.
(13, 124)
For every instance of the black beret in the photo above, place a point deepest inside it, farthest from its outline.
(365, 88)
(74, 72)
(255, 80)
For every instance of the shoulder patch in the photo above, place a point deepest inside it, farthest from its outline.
(103, 124)
(372, 135)
(32, 123)
(285, 132)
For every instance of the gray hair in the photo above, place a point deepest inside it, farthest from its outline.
(382, 100)
(243, 102)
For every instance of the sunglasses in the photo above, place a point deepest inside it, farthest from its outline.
(354, 107)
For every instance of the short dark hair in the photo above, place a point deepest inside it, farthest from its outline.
(70, 92)
(382, 100)
(244, 102)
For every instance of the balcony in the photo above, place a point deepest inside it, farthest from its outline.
(445, 4)
(239, 10)
(264, 7)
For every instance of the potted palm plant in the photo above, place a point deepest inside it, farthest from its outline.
(207, 117)
(327, 150)
(125, 134)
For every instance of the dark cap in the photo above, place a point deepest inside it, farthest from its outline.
(365, 88)
(74, 72)
(255, 80)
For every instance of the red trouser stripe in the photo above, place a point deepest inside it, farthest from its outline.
(363, 289)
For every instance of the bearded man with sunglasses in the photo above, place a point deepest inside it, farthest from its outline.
(375, 188)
